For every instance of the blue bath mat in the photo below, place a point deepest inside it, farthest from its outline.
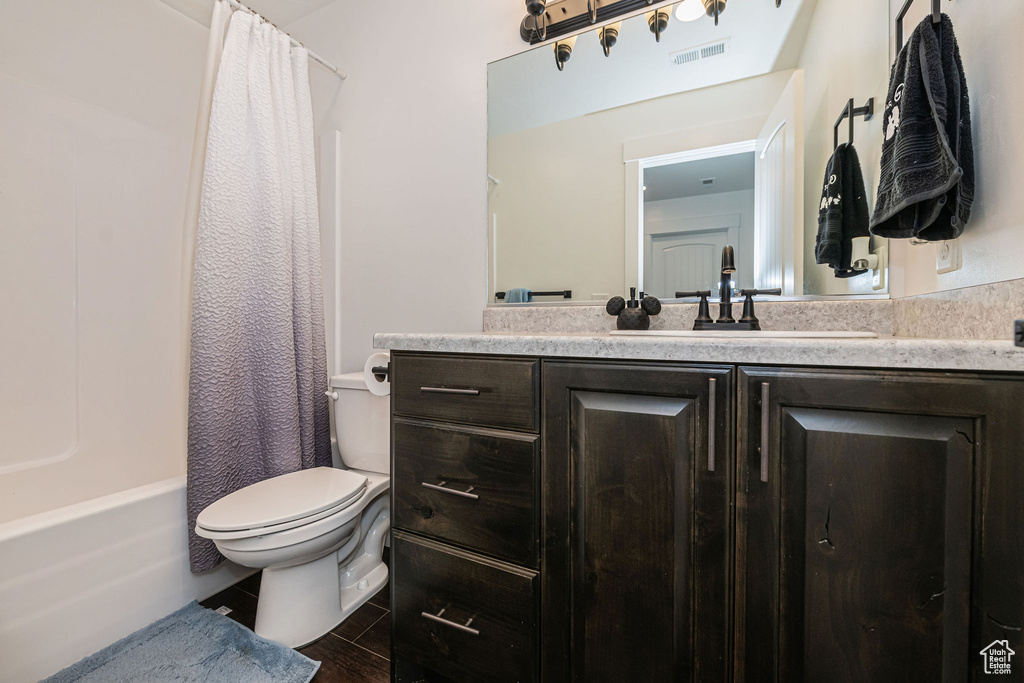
(193, 644)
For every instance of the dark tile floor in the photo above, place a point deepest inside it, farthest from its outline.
(357, 651)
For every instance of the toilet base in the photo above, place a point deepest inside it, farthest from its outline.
(302, 603)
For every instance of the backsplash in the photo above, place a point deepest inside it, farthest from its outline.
(870, 315)
(983, 312)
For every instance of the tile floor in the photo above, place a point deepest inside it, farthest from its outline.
(357, 651)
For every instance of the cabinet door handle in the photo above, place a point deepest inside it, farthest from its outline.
(446, 390)
(712, 401)
(468, 493)
(765, 428)
(465, 628)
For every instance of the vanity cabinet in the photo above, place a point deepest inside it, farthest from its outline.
(465, 517)
(636, 487)
(658, 521)
(879, 524)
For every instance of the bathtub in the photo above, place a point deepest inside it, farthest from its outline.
(76, 579)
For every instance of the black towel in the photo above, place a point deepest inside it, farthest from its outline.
(926, 185)
(843, 213)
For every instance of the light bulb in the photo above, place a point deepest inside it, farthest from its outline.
(690, 10)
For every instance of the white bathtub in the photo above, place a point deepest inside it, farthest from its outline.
(76, 579)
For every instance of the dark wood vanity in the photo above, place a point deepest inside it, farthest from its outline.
(576, 520)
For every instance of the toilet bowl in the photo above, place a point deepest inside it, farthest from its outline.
(317, 534)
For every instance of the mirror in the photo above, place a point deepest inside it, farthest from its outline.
(692, 209)
(636, 168)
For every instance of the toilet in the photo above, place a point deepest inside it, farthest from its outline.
(317, 534)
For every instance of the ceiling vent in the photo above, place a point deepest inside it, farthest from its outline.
(699, 53)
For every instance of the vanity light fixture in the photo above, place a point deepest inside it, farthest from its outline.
(608, 36)
(690, 10)
(657, 20)
(563, 51)
(550, 19)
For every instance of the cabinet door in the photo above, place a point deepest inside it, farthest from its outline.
(878, 525)
(636, 478)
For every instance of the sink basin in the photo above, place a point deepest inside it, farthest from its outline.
(744, 334)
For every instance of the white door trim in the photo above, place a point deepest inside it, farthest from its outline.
(698, 154)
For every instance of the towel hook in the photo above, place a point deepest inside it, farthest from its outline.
(936, 19)
(849, 112)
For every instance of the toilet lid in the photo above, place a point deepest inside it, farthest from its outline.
(283, 499)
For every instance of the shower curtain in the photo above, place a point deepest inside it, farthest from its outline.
(258, 363)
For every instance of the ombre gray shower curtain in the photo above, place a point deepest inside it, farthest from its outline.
(258, 363)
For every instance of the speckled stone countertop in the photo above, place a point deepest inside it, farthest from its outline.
(883, 352)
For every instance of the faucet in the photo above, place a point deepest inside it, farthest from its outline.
(748, 321)
(725, 285)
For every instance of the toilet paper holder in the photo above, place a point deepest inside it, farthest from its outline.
(381, 373)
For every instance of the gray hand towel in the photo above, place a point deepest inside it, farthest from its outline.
(518, 295)
(843, 213)
(926, 185)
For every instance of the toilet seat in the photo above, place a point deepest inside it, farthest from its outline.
(276, 528)
(281, 503)
(272, 542)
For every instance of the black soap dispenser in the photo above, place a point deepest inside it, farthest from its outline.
(633, 314)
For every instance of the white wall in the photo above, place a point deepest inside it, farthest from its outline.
(561, 202)
(993, 57)
(99, 100)
(413, 121)
(834, 71)
(95, 136)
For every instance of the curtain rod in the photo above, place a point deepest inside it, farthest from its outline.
(235, 4)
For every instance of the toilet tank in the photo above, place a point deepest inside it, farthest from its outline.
(361, 424)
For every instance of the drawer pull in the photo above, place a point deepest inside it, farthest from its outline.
(465, 628)
(468, 493)
(446, 390)
(712, 400)
(765, 427)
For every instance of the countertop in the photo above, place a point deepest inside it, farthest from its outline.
(883, 352)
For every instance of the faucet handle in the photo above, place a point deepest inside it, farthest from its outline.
(703, 313)
(748, 304)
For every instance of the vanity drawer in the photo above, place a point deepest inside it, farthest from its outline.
(482, 391)
(464, 616)
(470, 486)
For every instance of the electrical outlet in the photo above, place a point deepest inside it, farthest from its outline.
(948, 257)
(878, 274)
